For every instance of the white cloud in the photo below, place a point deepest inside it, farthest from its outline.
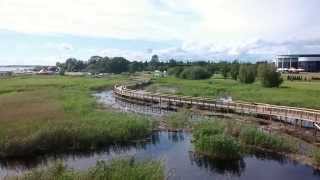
(206, 20)
(209, 29)
(258, 49)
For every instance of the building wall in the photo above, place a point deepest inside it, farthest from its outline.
(310, 63)
(310, 66)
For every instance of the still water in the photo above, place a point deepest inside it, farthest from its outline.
(176, 152)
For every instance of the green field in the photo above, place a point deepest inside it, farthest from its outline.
(43, 114)
(291, 93)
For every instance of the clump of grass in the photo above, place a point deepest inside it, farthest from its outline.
(210, 138)
(179, 120)
(228, 140)
(208, 128)
(255, 137)
(316, 156)
(220, 146)
(118, 169)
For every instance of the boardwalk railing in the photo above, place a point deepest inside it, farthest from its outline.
(281, 112)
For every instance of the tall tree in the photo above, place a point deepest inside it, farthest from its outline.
(154, 62)
(234, 72)
(247, 73)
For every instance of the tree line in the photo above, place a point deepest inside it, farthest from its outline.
(244, 72)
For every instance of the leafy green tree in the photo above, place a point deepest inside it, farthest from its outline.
(194, 73)
(225, 69)
(118, 65)
(175, 71)
(154, 62)
(269, 76)
(247, 73)
(135, 66)
(235, 66)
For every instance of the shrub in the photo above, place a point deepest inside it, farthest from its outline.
(175, 71)
(247, 73)
(194, 73)
(269, 76)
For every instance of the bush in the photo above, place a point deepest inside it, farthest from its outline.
(269, 76)
(194, 73)
(175, 71)
(247, 73)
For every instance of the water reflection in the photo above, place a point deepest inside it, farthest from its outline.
(231, 168)
(176, 150)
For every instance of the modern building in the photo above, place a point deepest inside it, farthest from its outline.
(298, 62)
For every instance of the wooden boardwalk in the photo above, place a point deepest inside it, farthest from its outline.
(292, 114)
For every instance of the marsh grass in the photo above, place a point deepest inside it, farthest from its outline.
(219, 146)
(117, 169)
(257, 138)
(45, 114)
(179, 120)
(316, 156)
(229, 140)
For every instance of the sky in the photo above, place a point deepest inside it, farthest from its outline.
(42, 32)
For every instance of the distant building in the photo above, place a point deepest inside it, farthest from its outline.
(5, 73)
(298, 62)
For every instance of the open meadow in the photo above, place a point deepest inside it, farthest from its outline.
(290, 93)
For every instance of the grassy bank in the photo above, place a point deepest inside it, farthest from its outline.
(179, 120)
(291, 93)
(41, 114)
(229, 140)
(115, 170)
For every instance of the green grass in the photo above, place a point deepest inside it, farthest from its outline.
(119, 169)
(291, 93)
(254, 137)
(179, 120)
(229, 140)
(219, 146)
(44, 114)
(316, 156)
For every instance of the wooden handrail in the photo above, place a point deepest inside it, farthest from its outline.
(259, 108)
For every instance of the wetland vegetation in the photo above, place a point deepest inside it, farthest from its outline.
(46, 114)
(43, 115)
(119, 169)
(228, 140)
